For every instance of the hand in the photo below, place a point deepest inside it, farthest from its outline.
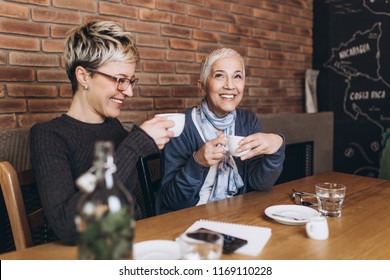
(260, 144)
(211, 152)
(157, 128)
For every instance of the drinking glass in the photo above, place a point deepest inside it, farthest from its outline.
(330, 198)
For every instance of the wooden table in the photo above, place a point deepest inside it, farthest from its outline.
(362, 232)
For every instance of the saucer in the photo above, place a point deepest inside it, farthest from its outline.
(156, 250)
(302, 213)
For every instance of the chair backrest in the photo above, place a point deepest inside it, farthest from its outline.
(149, 174)
(21, 222)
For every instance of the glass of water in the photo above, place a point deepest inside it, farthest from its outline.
(330, 198)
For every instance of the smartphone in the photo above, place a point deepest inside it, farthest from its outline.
(230, 243)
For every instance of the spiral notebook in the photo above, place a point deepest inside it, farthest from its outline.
(257, 236)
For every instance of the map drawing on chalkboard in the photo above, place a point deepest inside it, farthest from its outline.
(359, 61)
(378, 7)
(354, 58)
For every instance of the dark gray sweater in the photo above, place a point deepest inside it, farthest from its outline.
(62, 150)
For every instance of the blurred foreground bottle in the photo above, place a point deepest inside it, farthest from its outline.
(105, 217)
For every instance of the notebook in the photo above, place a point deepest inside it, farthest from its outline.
(257, 236)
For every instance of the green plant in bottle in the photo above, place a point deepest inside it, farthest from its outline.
(105, 219)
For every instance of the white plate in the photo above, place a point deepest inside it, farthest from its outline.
(157, 250)
(303, 213)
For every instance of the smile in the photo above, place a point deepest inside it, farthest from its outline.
(229, 96)
(116, 101)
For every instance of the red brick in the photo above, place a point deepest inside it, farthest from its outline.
(152, 15)
(192, 68)
(186, 91)
(152, 53)
(152, 41)
(48, 105)
(117, 10)
(85, 5)
(177, 8)
(8, 121)
(3, 57)
(24, 28)
(13, 10)
(229, 39)
(180, 56)
(34, 2)
(192, 102)
(19, 43)
(186, 21)
(217, 5)
(241, 9)
(175, 31)
(141, 27)
(12, 105)
(151, 91)
(215, 25)
(2, 90)
(135, 103)
(29, 120)
(257, 52)
(136, 117)
(224, 16)
(56, 46)
(33, 59)
(204, 36)
(66, 91)
(183, 44)
(258, 92)
(169, 103)
(52, 76)
(265, 34)
(141, 3)
(170, 79)
(200, 12)
(16, 74)
(240, 30)
(158, 66)
(55, 16)
(147, 79)
(23, 90)
(59, 31)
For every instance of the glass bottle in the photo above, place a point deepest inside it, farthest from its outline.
(105, 214)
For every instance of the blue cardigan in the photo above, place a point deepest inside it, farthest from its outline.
(183, 177)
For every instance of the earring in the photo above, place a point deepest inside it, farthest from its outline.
(86, 87)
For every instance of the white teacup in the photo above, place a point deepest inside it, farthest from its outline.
(317, 228)
(232, 145)
(179, 120)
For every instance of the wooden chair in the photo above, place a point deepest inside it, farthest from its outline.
(149, 174)
(21, 222)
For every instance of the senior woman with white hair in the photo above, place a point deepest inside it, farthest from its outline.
(197, 168)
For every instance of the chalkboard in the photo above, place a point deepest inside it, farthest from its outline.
(352, 51)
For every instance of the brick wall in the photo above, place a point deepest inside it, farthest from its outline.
(274, 36)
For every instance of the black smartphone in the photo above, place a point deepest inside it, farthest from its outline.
(230, 243)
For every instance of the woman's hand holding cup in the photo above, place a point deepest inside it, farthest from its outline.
(158, 129)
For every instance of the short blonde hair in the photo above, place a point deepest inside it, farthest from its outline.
(96, 43)
(212, 57)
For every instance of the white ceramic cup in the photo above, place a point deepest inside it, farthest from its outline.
(179, 120)
(317, 228)
(233, 143)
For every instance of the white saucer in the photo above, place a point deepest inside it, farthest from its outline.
(156, 250)
(303, 213)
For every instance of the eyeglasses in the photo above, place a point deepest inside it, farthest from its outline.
(298, 198)
(122, 83)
